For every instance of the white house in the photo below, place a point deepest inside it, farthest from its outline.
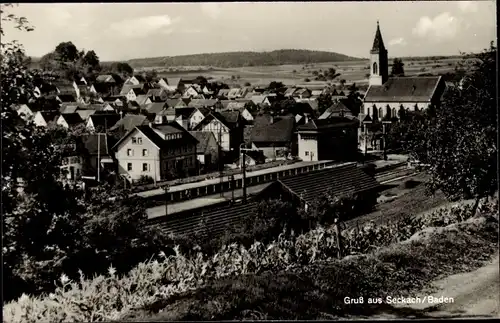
(24, 111)
(44, 118)
(198, 115)
(68, 120)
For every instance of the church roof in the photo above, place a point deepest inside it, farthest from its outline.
(378, 43)
(404, 89)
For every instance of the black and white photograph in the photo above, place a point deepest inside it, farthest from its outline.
(206, 161)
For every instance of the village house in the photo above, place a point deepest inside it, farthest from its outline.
(170, 84)
(71, 166)
(289, 92)
(141, 101)
(193, 92)
(183, 116)
(222, 94)
(45, 118)
(252, 158)
(85, 113)
(199, 113)
(133, 93)
(334, 138)
(338, 109)
(204, 103)
(157, 95)
(69, 120)
(226, 127)
(98, 158)
(126, 89)
(24, 111)
(102, 122)
(207, 151)
(274, 136)
(156, 151)
(302, 94)
(241, 107)
(136, 80)
(68, 108)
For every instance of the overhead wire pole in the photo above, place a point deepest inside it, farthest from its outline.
(221, 164)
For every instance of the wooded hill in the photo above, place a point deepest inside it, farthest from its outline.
(243, 59)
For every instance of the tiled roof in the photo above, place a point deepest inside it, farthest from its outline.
(130, 121)
(85, 114)
(330, 123)
(236, 106)
(290, 90)
(336, 109)
(218, 218)
(231, 117)
(105, 78)
(404, 89)
(338, 180)
(223, 92)
(127, 87)
(185, 113)
(68, 108)
(106, 121)
(257, 99)
(256, 155)
(202, 103)
(172, 102)
(172, 127)
(204, 111)
(228, 118)
(155, 107)
(95, 142)
(72, 118)
(203, 138)
(225, 103)
(281, 130)
(49, 116)
(155, 92)
(66, 97)
(141, 99)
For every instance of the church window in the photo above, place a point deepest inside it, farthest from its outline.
(368, 111)
(375, 68)
(380, 112)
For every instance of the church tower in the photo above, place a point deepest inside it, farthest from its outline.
(379, 67)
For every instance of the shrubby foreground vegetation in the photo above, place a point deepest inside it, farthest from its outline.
(56, 233)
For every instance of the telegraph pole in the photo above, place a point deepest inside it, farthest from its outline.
(167, 189)
(221, 164)
(232, 188)
(244, 186)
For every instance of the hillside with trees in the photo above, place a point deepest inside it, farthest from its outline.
(244, 59)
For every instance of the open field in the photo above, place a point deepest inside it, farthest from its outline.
(351, 71)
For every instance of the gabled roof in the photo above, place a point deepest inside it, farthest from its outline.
(172, 102)
(140, 78)
(338, 180)
(185, 113)
(102, 88)
(223, 92)
(281, 130)
(68, 109)
(66, 97)
(290, 91)
(256, 155)
(141, 99)
(225, 103)
(97, 143)
(227, 118)
(105, 78)
(404, 89)
(152, 134)
(155, 92)
(301, 91)
(130, 121)
(202, 103)
(85, 114)
(203, 138)
(156, 107)
(72, 118)
(330, 123)
(258, 99)
(106, 121)
(337, 108)
(49, 116)
(127, 87)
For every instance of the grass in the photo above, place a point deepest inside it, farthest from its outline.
(318, 291)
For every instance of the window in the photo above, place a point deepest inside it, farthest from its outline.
(184, 148)
(380, 113)
(129, 166)
(130, 152)
(139, 140)
(144, 152)
(134, 140)
(307, 153)
(368, 111)
(375, 68)
(145, 167)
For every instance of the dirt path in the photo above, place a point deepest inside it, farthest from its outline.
(475, 294)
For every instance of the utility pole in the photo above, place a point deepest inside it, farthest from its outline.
(221, 164)
(384, 123)
(232, 188)
(244, 186)
(167, 189)
(98, 157)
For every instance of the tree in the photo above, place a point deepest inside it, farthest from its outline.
(342, 82)
(66, 52)
(91, 59)
(151, 75)
(354, 99)
(324, 102)
(458, 141)
(397, 67)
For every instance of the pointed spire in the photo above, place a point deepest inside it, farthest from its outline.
(378, 43)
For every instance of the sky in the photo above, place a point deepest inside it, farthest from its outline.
(122, 31)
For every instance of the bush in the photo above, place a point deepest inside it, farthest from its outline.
(110, 297)
(145, 179)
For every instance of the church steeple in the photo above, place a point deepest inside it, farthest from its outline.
(379, 67)
(378, 42)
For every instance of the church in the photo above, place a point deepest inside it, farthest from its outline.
(387, 97)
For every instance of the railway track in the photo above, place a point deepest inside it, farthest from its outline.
(394, 174)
